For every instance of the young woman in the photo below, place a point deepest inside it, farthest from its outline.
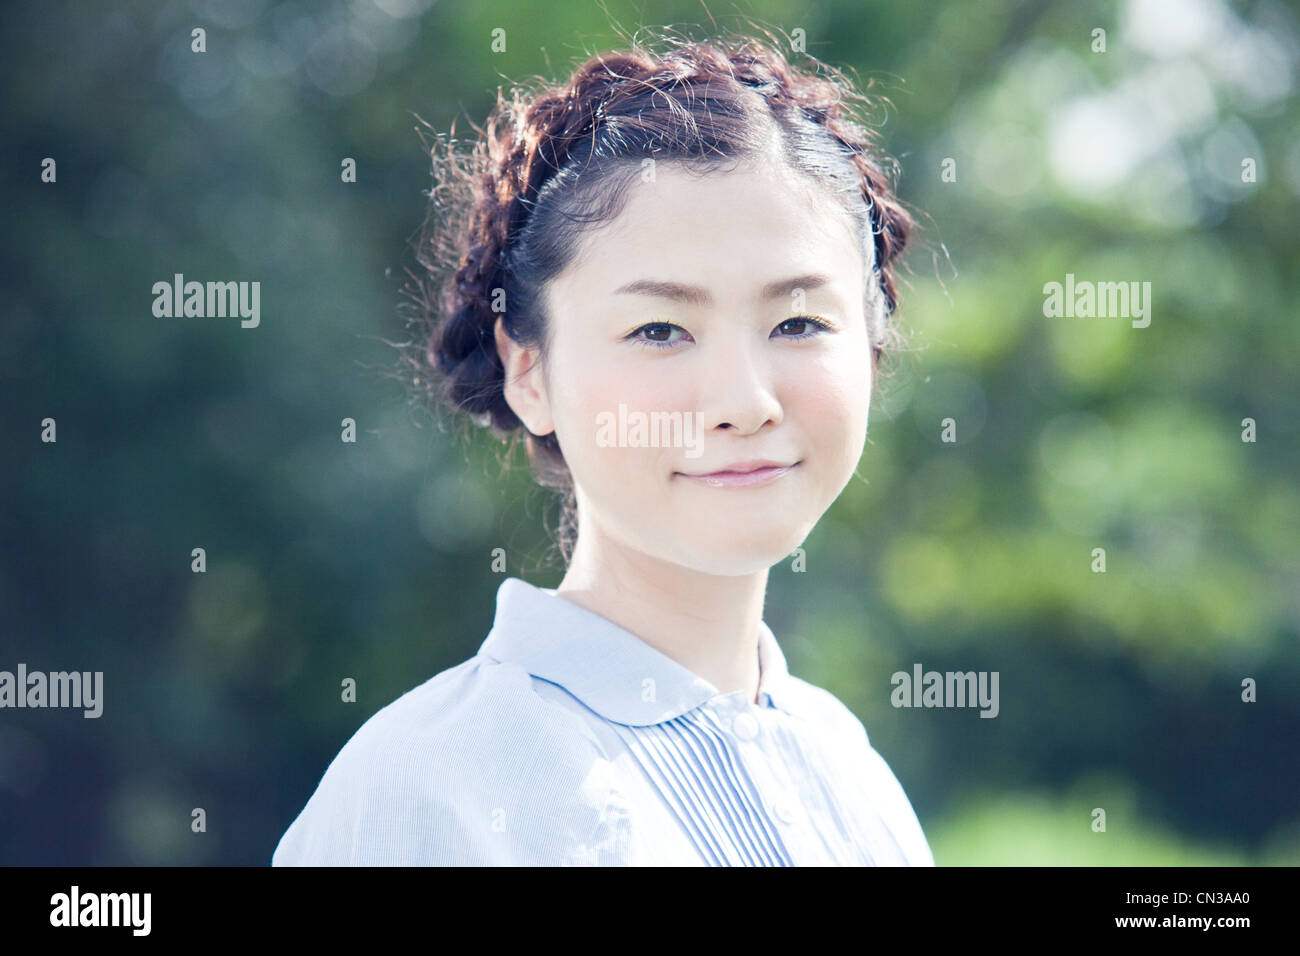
(676, 276)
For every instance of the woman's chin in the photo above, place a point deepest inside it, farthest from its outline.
(733, 556)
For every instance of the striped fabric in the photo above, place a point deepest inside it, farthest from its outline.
(569, 741)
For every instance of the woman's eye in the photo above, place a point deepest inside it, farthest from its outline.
(805, 325)
(657, 335)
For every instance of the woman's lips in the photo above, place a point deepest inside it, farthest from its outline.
(739, 479)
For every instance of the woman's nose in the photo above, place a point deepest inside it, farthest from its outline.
(739, 392)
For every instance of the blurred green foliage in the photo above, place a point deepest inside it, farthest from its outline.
(328, 560)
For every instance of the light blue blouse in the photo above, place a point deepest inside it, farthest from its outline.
(567, 740)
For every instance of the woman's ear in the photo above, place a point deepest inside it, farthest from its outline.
(525, 384)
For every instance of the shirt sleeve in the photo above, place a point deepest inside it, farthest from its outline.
(875, 780)
(896, 808)
(473, 768)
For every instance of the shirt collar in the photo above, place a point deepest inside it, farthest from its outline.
(611, 670)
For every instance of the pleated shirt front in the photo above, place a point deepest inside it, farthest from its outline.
(567, 740)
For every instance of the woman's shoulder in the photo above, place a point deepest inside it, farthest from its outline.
(821, 707)
(845, 736)
(473, 766)
(481, 707)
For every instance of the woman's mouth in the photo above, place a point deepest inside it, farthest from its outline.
(741, 475)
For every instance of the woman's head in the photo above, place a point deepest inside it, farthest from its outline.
(701, 236)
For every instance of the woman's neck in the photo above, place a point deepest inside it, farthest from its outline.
(708, 623)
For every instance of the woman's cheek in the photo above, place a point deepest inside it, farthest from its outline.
(578, 411)
(832, 409)
(598, 452)
(835, 387)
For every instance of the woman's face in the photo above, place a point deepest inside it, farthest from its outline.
(716, 269)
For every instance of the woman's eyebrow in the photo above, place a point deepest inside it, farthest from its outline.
(695, 295)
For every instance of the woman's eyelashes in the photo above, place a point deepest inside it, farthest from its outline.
(662, 331)
(656, 328)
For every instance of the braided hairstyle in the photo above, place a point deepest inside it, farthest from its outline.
(553, 161)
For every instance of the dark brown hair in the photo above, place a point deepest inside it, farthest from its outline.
(507, 213)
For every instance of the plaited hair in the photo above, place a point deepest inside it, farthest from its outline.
(509, 208)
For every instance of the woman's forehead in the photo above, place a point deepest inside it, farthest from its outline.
(758, 221)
